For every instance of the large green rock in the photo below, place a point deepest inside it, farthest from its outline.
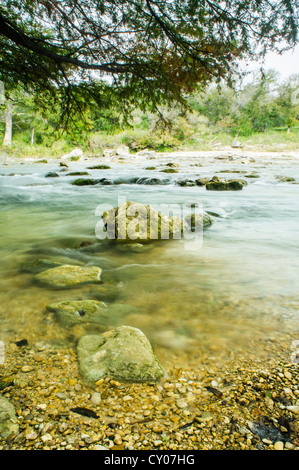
(68, 275)
(8, 420)
(84, 182)
(219, 184)
(124, 354)
(133, 221)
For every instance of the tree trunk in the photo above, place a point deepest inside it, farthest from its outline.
(8, 124)
(32, 136)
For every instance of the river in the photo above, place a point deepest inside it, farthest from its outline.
(233, 290)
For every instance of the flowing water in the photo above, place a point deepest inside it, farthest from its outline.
(232, 290)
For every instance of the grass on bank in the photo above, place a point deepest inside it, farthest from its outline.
(279, 140)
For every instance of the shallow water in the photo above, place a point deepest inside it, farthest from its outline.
(230, 290)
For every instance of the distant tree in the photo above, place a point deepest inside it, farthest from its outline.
(8, 123)
(140, 52)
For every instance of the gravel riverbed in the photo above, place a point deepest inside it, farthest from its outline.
(235, 405)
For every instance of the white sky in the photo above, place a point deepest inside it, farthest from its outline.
(286, 64)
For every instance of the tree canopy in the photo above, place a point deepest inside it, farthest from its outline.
(141, 51)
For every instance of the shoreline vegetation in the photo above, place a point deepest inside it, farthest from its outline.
(259, 113)
(277, 142)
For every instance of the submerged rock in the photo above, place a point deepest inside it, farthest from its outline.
(170, 170)
(52, 174)
(79, 311)
(152, 181)
(104, 181)
(99, 167)
(202, 181)
(217, 184)
(124, 354)
(8, 420)
(84, 182)
(68, 275)
(78, 173)
(203, 220)
(186, 182)
(133, 221)
(37, 265)
(285, 179)
(172, 165)
(133, 247)
(266, 429)
(71, 312)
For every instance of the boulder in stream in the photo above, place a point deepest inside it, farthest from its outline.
(217, 184)
(84, 182)
(68, 275)
(124, 354)
(203, 220)
(133, 221)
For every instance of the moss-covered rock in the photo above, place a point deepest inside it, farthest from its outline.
(52, 174)
(71, 312)
(203, 220)
(99, 167)
(68, 275)
(8, 420)
(133, 247)
(202, 181)
(79, 311)
(133, 221)
(170, 170)
(186, 182)
(230, 185)
(37, 265)
(78, 173)
(84, 182)
(124, 354)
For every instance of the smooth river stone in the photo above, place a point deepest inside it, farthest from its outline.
(8, 420)
(124, 354)
(68, 275)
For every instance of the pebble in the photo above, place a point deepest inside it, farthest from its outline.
(27, 368)
(293, 408)
(96, 398)
(278, 445)
(31, 434)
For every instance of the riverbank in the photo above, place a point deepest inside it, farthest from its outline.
(226, 344)
(237, 405)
